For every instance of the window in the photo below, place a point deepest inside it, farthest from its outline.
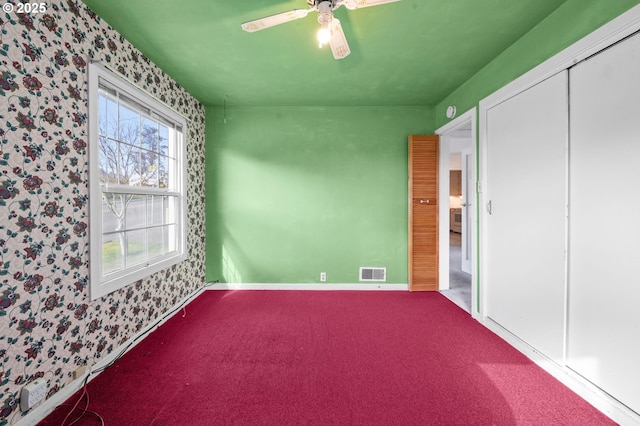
(137, 183)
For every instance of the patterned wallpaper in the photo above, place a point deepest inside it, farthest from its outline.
(48, 325)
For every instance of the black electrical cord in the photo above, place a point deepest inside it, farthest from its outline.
(122, 352)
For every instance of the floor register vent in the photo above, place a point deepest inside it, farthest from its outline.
(373, 274)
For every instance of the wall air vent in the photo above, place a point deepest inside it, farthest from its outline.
(373, 274)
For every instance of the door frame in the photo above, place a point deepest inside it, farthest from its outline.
(446, 132)
(468, 167)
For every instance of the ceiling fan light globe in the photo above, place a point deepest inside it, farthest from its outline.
(324, 36)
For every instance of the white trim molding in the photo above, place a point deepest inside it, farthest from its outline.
(459, 121)
(469, 116)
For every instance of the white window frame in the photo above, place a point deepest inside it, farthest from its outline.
(102, 284)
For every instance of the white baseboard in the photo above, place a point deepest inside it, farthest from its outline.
(595, 396)
(41, 411)
(308, 286)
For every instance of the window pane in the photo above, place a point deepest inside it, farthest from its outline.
(136, 209)
(163, 141)
(156, 243)
(112, 253)
(149, 134)
(108, 161)
(155, 208)
(129, 126)
(136, 247)
(163, 172)
(149, 165)
(129, 166)
(113, 211)
(107, 116)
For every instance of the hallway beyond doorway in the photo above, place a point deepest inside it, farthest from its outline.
(459, 291)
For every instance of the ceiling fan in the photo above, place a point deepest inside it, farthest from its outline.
(330, 29)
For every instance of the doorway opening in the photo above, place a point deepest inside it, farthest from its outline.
(458, 195)
(459, 290)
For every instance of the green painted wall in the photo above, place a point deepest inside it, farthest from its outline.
(566, 25)
(295, 191)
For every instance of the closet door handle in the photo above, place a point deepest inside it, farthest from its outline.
(425, 201)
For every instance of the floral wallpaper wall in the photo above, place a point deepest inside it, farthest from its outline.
(48, 324)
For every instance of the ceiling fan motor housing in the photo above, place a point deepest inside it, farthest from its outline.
(325, 13)
(317, 3)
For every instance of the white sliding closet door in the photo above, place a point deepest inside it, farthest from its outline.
(526, 229)
(604, 238)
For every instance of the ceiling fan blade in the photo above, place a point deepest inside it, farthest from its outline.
(338, 42)
(273, 20)
(358, 4)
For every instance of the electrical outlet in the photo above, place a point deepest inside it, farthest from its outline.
(323, 276)
(33, 393)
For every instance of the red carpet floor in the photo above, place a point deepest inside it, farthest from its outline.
(316, 357)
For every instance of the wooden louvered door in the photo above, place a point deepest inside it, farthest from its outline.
(423, 212)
